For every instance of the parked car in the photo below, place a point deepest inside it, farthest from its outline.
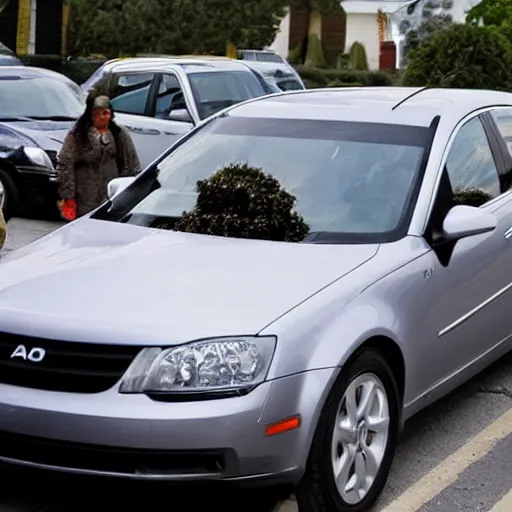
(261, 56)
(37, 109)
(187, 357)
(280, 75)
(8, 57)
(165, 97)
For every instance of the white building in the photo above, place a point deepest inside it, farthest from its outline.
(362, 24)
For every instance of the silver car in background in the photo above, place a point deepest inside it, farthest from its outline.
(185, 357)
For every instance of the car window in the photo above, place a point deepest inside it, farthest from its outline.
(288, 83)
(503, 119)
(247, 55)
(355, 179)
(471, 167)
(267, 57)
(169, 97)
(216, 90)
(38, 97)
(130, 92)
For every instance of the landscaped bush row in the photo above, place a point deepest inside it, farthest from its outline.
(316, 77)
(79, 70)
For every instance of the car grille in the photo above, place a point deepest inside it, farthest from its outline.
(125, 461)
(67, 366)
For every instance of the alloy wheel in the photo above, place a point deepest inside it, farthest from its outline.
(360, 437)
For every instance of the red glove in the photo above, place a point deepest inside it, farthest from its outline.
(68, 209)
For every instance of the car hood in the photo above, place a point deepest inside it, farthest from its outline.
(104, 282)
(48, 135)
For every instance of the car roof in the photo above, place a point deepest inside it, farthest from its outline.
(270, 67)
(189, 63)
(258, 51)
(394, 105)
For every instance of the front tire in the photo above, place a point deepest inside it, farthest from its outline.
(355, 440)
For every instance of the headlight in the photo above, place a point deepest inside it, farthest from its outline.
(38, 157)
(220, 366)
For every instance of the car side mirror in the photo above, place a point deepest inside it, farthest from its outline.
(117, 185)
(463, 221)
(180, 114)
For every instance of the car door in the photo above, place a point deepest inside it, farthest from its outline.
(471, 314)
(134, 95)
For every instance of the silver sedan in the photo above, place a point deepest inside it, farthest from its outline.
(133, 351)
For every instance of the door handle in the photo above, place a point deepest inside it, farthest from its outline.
(508, 234)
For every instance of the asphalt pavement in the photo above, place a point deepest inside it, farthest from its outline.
(453, 457)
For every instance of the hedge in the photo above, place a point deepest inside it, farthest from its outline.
(80, 69)
(316, 77)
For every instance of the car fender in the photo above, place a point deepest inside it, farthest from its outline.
(371, 303)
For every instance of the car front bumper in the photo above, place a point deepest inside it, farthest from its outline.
(37, 190)
(132, 436)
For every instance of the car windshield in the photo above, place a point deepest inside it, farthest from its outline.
(216, 90)
(39, 98)
(354, 180)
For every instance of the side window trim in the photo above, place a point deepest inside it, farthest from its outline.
(505, 169)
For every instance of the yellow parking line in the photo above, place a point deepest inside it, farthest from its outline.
(505, 504)
(450, 468)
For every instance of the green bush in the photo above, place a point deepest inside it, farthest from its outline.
(77, 70)
(342, 61)
(243, 202)
(357, 57)
(462, 56)
(317, 78)
(53, 62)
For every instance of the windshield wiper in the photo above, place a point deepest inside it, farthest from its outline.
(54, 118)
(16, 118)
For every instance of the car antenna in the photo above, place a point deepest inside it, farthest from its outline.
(402, 101)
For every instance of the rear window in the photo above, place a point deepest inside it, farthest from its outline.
(216, 90)
(268, 57)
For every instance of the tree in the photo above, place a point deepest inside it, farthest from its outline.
(97, 26)
(462, 56)
(243, 202)
(117, 27)
(435, 16)
(497, 13)
(491, 12)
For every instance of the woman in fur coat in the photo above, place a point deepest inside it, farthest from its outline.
(95, 151)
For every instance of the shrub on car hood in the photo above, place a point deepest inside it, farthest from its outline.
(244, 202)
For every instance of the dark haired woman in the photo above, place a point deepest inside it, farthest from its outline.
(95, 151)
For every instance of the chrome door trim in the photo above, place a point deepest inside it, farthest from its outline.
(474, 311)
